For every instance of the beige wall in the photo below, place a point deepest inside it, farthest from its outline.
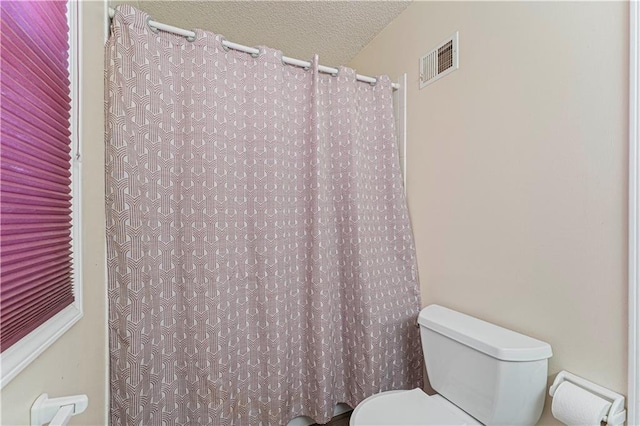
(76, 363)
(517, 170)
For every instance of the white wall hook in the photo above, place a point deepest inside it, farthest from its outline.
(57, 411)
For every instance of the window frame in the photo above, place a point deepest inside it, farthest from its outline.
(633, 366)
(17, 357)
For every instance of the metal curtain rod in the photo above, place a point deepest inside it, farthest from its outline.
(252, 50)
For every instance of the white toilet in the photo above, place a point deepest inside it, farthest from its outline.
(484, 375)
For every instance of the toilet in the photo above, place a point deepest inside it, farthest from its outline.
(483, 375)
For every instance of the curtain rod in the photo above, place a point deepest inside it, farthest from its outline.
(252, 50)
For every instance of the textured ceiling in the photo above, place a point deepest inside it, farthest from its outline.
(336, 30)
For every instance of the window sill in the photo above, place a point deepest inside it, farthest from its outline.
(19, 356)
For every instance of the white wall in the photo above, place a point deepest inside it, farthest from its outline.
(76, 363)
(517, 169)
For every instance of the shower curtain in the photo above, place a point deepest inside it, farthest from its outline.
(260, 258)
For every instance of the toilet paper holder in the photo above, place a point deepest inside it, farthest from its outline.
(616, 415)
(57, 411)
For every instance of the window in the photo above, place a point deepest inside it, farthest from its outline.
(40, 297)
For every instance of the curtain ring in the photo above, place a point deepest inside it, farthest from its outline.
(153, 29)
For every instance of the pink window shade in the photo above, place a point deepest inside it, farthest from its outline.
(35, 164)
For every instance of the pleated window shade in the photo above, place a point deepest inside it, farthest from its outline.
(35, 167)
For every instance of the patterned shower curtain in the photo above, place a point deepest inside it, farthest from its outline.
(260, 258)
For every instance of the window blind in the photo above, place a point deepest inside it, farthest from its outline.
(35, 167)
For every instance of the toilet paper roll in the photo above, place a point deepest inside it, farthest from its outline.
(575, 406)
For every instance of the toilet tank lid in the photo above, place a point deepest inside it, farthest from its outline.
(493, 340)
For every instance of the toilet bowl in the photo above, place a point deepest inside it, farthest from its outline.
(483, 375)
(409, 407)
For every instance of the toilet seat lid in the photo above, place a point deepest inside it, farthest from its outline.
(413, 407)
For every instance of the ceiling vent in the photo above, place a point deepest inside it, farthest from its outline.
(440, 61)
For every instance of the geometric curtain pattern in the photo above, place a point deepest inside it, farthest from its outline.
(260, 257)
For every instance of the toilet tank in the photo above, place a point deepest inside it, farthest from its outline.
(496, 375)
